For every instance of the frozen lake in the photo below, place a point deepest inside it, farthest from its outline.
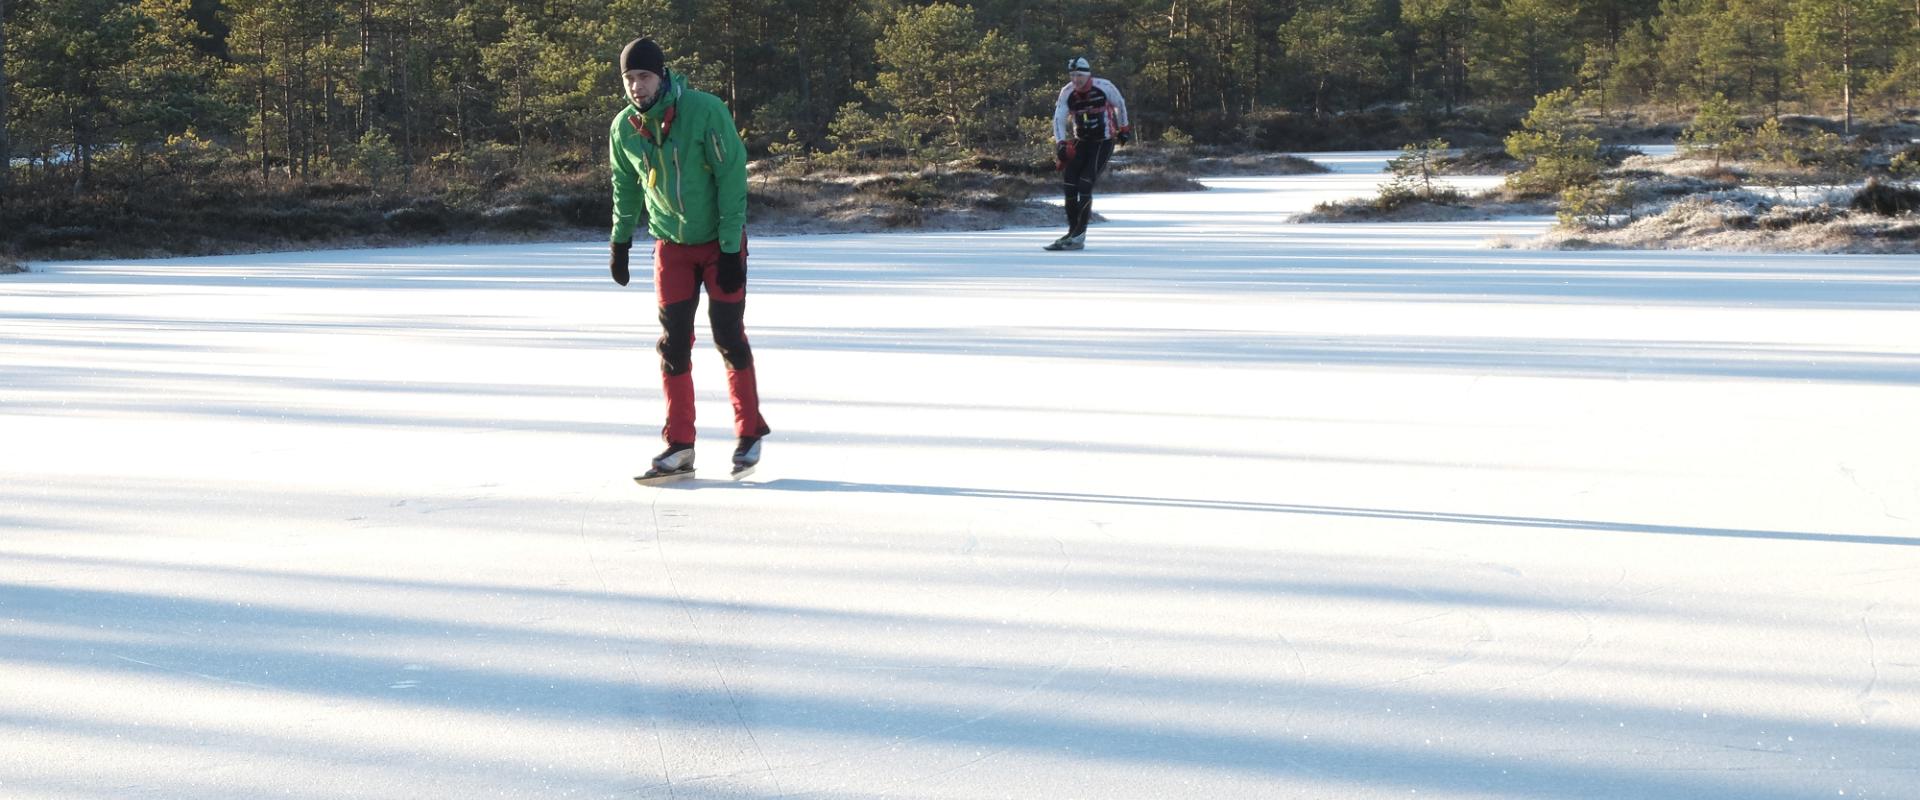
(1219, 507)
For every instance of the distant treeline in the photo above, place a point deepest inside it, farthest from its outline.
(297, 90)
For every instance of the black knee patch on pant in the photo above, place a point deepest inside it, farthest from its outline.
(676, 336)
(730, 334)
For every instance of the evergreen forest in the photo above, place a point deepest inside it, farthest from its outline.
(115, 109)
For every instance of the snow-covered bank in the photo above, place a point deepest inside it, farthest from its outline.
(1219, 507)
(1662, 202)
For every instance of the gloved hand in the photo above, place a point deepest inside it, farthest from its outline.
(732, 272)
(618, 261)
(1125, 137)
(1061, 152)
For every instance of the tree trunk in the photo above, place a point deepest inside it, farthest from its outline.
(83, 147)
(286, 106)
(408, 146)
(329, 101)
(805, 73)
(1846, 95)
(362, 122)
(6, 151)
(266, 147)
(727, 35)
(1846, 68)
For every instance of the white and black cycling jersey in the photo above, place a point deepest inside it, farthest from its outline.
(1095, 113)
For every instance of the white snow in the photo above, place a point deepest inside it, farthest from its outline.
(1220, 507)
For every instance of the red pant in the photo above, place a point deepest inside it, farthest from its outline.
(679, 270)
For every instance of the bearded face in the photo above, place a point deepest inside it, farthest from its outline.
(643, 87)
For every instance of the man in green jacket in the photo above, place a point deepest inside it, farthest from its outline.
(676, 154)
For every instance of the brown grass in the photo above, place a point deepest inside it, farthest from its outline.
(935, 200)
(1486, 205)
(1707, 223)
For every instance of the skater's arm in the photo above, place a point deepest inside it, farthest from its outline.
(1119, 106)
(728, 156)
(1060, 114)
(627, 200)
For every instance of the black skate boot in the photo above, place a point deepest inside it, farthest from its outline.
(746, 455)
(672, 464)
(1069, 242)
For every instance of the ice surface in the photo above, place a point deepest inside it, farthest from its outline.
(1219, 507)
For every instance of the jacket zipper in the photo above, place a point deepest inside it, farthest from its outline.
(675, 199)
(679, 179)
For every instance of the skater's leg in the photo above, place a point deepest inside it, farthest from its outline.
(1079, 176)
(677, 291)
(727, 316)
(1101, 153)
(730, 336)
(678, 389)
(1071, 189)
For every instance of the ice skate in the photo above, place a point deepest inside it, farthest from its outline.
(1069, 242)
(746, 456)
(672, 464)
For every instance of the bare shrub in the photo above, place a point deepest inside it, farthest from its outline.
(1886, 199)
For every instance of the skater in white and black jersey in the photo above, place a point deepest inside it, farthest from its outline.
(1089, 117)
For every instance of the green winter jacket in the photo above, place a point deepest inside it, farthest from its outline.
(694, 184)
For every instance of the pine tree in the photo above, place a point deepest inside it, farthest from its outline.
(1715, 130)
(511, 63)
(959, 86)
(74, 54)
(1441, 29)
(295, 69)
(1595, 78)
(1554, 144)
(1845, 44)
(167, 87)
(1746, 48)
(1522, 48)
(1634, 74)
(1680, 32)
(1900, 86)
(1336, 41)
(1414, 171)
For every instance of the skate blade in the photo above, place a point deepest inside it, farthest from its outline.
(656, 478)
(742, 472)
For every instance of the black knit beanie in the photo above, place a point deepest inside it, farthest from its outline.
(642, 53)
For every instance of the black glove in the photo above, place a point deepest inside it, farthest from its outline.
(1125, 137)
(1061, 152)
(732, 272)
(618, 262)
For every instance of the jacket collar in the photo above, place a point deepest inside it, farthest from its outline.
(670, 96)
